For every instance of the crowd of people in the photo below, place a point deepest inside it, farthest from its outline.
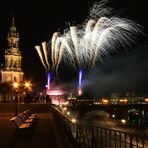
(37, 99)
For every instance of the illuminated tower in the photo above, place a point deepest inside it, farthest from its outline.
(12, 71)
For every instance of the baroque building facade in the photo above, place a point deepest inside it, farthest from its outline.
(12, 71)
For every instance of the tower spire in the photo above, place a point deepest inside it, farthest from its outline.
(12, 71)
(13, 20)
(13, 28)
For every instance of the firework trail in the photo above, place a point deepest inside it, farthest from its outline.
(101, 35)
(61, 51)
(58, 44)
(74, 38)
(88, 35)
(53, 42)
(38, 48)
(42, 58)
(61, 46)
(44, 46)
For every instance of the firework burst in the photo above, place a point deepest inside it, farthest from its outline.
(101, 35)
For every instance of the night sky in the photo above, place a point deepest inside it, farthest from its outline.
(37, 21)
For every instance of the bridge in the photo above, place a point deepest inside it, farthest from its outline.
(56, 130)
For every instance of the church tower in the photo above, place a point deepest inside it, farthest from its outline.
(12, 71)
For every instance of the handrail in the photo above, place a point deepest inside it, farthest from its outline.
(64, 125)
(87, 136)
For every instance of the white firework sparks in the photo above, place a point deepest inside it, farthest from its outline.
(101, 35)
(53, 42)
(44, 46)
(38, 48)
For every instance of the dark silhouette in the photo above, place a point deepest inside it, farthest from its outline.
(47, 99)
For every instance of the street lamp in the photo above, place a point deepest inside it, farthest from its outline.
(28, 89)
(15, 85)
(113, 116)
(27, 84)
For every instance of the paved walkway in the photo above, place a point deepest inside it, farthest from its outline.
(44, 135)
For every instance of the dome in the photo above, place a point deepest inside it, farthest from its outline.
(13, 28)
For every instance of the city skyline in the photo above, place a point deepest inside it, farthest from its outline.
(37, 24)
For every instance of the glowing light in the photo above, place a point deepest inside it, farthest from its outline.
(105, 101)
(73, 120)
(48, 81)
(80, 83)
(65, 108)
(113, 116)
(80, 78)
(15, 85)
(123, 100)
(79, 92)
(55, 92)
(27, 84)
(123, 121)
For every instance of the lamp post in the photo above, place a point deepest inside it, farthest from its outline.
(15, 85)
(28, 88)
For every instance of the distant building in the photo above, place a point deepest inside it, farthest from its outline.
(12, 71)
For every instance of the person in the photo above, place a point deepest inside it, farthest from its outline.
(42, 99)
(36, 99)
(47, 99)
(28, 98)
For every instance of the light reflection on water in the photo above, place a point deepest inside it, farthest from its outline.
(94, 117)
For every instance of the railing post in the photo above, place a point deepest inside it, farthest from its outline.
(76, 141)
(92, 141)
(101, 138)
(143, 142)
(131, 141)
